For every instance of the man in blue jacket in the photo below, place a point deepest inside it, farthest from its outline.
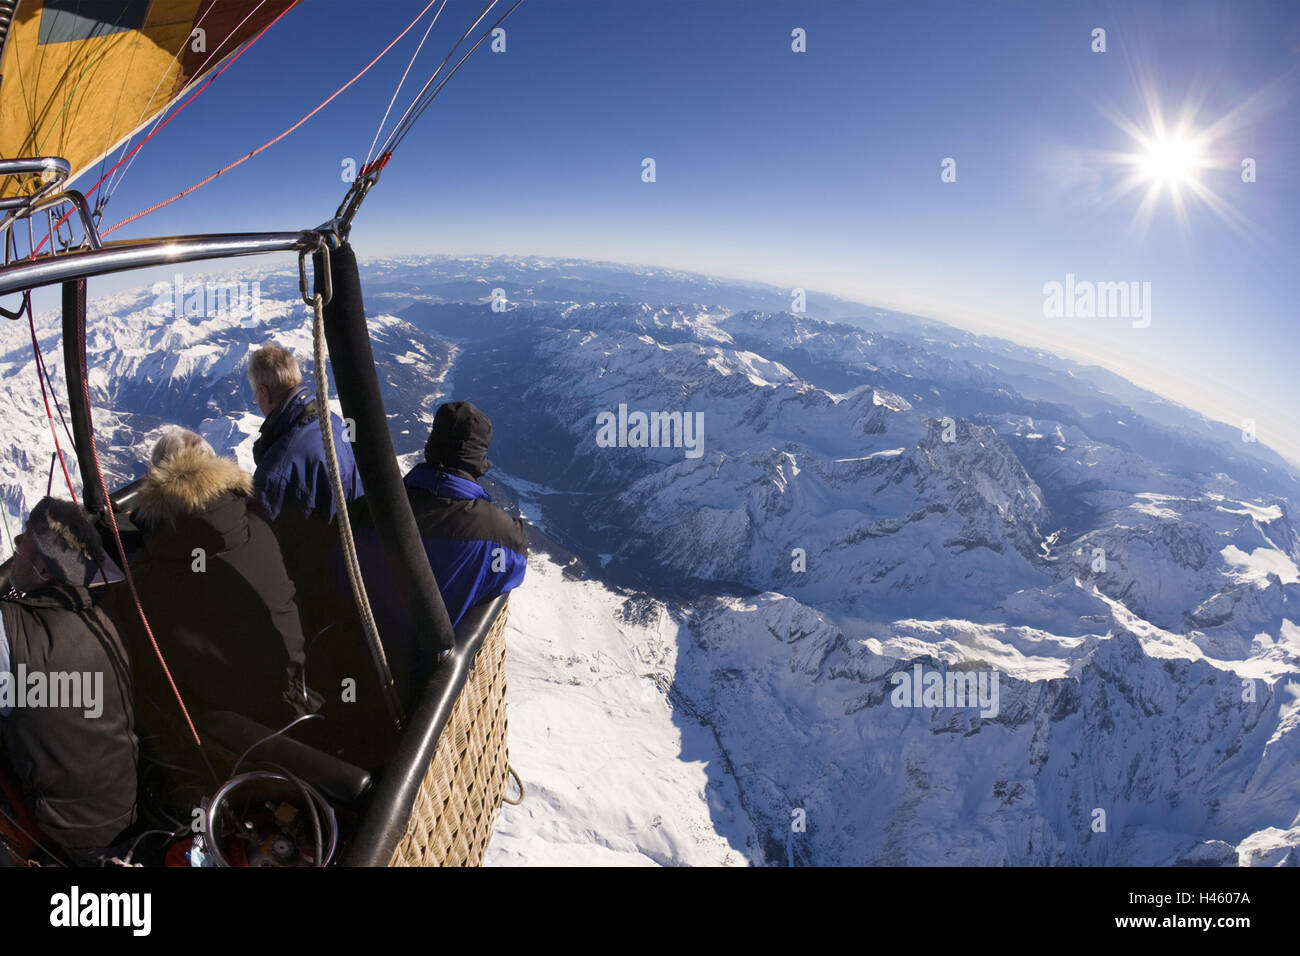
(475, 549)
(291, 481)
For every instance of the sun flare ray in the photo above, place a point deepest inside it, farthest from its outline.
(1179, 158)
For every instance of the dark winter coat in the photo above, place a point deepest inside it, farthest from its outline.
(77, 771)
(292, 485)
(214, 587)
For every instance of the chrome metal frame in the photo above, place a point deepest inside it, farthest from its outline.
(142, 254)
(50, 195)
(66, 261)
(56, 167)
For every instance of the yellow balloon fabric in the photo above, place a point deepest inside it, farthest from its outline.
(78, 77)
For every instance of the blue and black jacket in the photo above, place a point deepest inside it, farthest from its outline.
(476, 551)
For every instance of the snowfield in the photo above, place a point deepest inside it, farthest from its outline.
(593, 736)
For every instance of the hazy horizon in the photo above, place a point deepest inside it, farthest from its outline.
(45, 301)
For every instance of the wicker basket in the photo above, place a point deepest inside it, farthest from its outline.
(456, 809)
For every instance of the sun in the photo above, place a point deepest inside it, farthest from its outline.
(1183, 161)
(1171, 160)
(1169, 163)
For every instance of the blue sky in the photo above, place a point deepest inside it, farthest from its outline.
(818, 169)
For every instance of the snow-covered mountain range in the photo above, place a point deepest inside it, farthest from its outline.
(710, 654)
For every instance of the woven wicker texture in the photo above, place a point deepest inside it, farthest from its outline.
(456, 808)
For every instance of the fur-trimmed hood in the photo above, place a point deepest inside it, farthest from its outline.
(188, 483)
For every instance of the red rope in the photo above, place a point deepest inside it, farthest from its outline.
(45, 370)
(225, 66)
(269, 143)
(40, 364)
(72, 442)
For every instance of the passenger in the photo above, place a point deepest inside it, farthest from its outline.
(214, 587)
(74, 751)
(291, 479)
(475, 549)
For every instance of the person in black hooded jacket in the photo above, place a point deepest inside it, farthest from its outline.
(76, 761)
(215, 589)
